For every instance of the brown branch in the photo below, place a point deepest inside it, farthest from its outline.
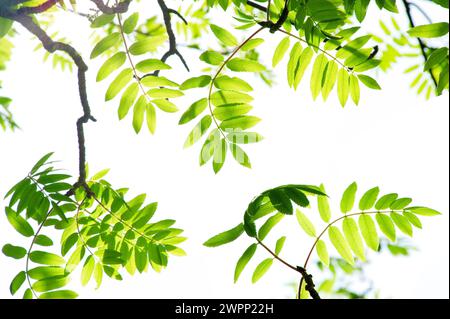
(38, 9)
(120, 7)
(51, 46)
(310, 286)
(422, 45)
(173, 50)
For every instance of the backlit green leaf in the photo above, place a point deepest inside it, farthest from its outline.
(369, 231)
(262, 269)
(225, 237)
(244, 260)
(341, 245)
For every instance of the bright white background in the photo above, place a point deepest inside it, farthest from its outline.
(394, 139)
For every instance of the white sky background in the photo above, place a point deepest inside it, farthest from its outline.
(394, 139)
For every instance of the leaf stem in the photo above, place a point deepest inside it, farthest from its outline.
(308, 258)
(238, 48)
(130, 60)
(276, 256)
(318, 48)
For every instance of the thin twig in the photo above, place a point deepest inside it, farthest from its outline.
(422, 45)
(173, 50)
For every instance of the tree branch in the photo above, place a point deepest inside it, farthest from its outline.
(172, 39)
(38, 9)
(310, 286)
(422, 45)
(120, 7)
(51, 46)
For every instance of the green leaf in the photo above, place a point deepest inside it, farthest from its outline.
(147, 44)
(193, 111)
(59, 294)
(423, 211)
(244, 260)
(244, 137)
(252, 44)
(151, 117)
(369, 198)
(28, 294)
(164, 93)
(111, 65)
(5, 26)
(157, 81)
(139, 113)
(341, 245)
(41, 272)
(280, 51)
(240, 156)
(242, 122)
(387, 226)
(371, 83)
(165, 105)
(293, 63)
(225, 237)
(354, 89)
(75, 259)
(245, 65)
(343, 86)
(317, 75)
(197, 82)
(45, 258)
(130, 23)
(297, 196)
(281, 202)
(15, 252)
(118, 84)
(151, 65)
(324, 206)
(87, 271)
(369, 231)
(413, 219)
(329, 79)
(19, 224)
(353, 237)
(102, 20)
(433, 30)
(98, 274)
(223, 35)
(223, 97)
(402, 223)
(385, 201)
(436, 58)
(105, 44)
(279, 245)
(140, 258)
(305, 224)
(43, 240)
(225, 82)
(212, 57)
(348, 198)
(41, 162)
(50, 283)
(220, 153)
(322, 252)
(269, 225)
(228, 111)
(303, 62)
(17, 282)
(262, 269)
(144, 216)
(198, 131)
(400, 203)
(127, 100)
